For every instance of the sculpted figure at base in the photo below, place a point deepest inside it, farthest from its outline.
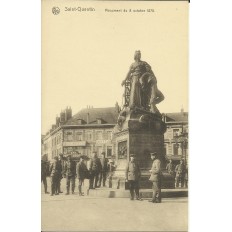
(144, 92)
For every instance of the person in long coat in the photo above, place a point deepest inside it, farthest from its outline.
(60, 163)
(133, 175)
(179, 180)
(44, 172)
(54, 174)
(70, 174)
(103, 172)
(81, 174)
(170, 167)
(94, 170)
(156, 178)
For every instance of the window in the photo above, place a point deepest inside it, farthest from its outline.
(109, 135)
(98, 135)
(79, 136)
(68, 135)
(176, 149)
(175, 132)
(109, 152)
(88, 135)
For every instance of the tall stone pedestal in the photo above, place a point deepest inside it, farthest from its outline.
(139, 132)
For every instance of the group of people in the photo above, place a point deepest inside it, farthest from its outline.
(180, 172)
(133, 175)
(97, 172)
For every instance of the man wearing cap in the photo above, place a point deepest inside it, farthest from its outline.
(132, 177)
(54, 173)
(94, 170)
(81, 173)
(156, 178)
(103, 172)
(70, 173)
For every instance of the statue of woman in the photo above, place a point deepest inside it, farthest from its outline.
(137, 69)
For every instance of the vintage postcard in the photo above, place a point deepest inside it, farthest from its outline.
(114, 146)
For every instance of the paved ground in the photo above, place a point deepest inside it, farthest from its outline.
(74, 213)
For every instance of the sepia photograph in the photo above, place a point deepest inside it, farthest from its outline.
(114, 136)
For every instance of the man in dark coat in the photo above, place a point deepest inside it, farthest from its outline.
(156, 178)
(60, 164)
(170, 167)
(103, 172)
(54, 173)
(133, 175)
(81, 174)
(70, 173)
(44, 173)
(94, 170)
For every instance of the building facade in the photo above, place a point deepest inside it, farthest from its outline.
(91, 130)
(176, 136)
(87, 131)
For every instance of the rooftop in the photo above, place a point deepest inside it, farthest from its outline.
(177, 117)
(108, 115)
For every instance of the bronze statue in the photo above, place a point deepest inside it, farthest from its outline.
(144, 93)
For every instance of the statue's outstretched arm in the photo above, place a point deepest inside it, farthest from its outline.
(127, 77)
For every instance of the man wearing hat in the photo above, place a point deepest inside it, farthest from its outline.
(156, 178)
(60, 164)
(81, 173)
(103, 172)
(54, 173)
(94, 170)
(132, 177)
(70, 173)
(44, 172)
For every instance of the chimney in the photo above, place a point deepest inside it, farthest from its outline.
(57, 121)
(53, 126)
(182, 110)
(62, 116)
(68, 113)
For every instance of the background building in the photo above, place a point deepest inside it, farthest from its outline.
(91, 130)
(87, 131)
(176, 136)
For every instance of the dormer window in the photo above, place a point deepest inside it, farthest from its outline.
(99, 121)
(80, 121)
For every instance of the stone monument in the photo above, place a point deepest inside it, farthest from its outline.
(140, 128)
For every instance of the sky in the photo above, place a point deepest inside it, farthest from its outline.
(86, 55)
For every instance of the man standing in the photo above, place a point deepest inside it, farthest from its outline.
(81, 173)
(132, 177)
(103, 172)
(156, 178)
(179, 174)
(70, 173)
(110, 170)
(170, 167)
(44, 172)
(94, 170)
(54, 173)
(60, 166)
